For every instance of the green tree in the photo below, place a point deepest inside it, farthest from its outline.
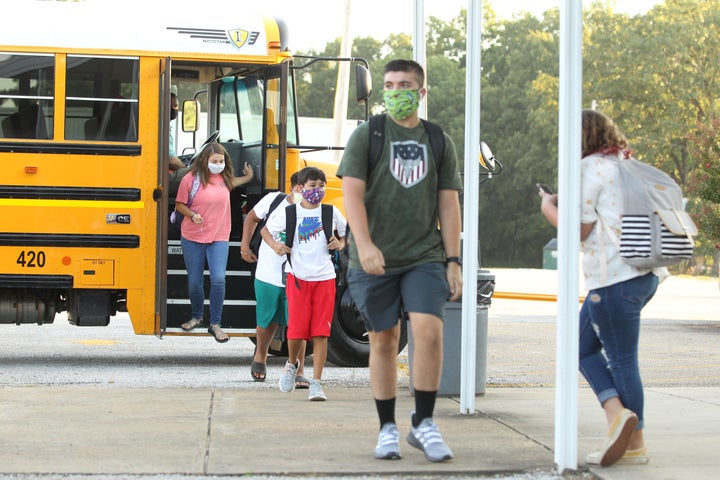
(657, 75)
(704, 146)
(661, 84)
(519, 122)
(317, 83)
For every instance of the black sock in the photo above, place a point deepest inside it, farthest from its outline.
(424, 406)
(386, 410)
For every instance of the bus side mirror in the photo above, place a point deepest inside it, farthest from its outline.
(487, 157)
(190, 112)
(363, 83)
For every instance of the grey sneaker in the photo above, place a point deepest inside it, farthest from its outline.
(287, 379)
(316, 393)
(426, 437)
(388, 446)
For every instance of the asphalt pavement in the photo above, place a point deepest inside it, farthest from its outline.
(105, 403)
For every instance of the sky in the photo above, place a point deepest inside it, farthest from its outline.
(313, 23)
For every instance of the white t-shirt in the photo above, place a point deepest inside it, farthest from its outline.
(602, 203)
(310, 256)
(269, 264)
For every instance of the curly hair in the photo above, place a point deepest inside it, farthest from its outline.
(600, 134)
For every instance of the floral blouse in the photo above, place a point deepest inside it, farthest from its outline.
(602, 203)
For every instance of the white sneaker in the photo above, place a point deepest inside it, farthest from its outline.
(316, 393)
(388, 444)
(630, 457)
(617, 439)
(426, 437)
(287, 379)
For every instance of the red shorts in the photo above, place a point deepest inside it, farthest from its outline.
(310, 308)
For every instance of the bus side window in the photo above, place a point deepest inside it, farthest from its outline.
(27, 84)
(101, 98)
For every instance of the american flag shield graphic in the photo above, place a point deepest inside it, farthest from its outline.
(409, 162)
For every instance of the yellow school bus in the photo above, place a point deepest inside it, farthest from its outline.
(85, 133)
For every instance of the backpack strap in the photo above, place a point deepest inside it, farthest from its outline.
(276, 201)
(437, 140)
(256, 237)
(290, 226)
(376, 132)
(377, 141)
(327, 220)
(194, 189)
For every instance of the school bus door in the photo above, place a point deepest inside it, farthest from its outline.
(161, 197)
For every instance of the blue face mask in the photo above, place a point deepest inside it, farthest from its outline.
(313, 195)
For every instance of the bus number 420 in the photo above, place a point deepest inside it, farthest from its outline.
(31, 259)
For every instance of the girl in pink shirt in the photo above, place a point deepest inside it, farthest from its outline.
(205, 231)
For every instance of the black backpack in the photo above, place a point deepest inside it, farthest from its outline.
(256, 238)
(326, 216)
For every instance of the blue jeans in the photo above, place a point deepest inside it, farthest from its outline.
(216, 254)
(609, 334)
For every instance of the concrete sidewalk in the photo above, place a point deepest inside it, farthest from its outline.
(260, 431)
(87, 403)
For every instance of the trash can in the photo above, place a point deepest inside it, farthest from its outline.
(550, 255)
(450, 378)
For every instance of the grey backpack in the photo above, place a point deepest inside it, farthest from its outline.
(656, 230)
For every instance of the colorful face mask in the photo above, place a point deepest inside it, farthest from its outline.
(216, 167)
(314, 195)
(400, 104)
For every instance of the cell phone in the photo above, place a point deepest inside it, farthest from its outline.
(544, 188)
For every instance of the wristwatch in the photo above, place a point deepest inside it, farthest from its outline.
(453, 259)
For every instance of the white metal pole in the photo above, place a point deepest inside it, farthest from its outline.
(419, 50)
(343, 82)
(470, 210)
(569, 149)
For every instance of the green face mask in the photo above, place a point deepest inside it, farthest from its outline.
(400, 104)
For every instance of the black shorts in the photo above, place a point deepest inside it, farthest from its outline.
(382, 299)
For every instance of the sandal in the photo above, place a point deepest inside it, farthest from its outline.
(301, 382)
(258, 371)
(190, 324)
(220, 336)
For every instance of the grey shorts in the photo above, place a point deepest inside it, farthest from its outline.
(383, 299)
